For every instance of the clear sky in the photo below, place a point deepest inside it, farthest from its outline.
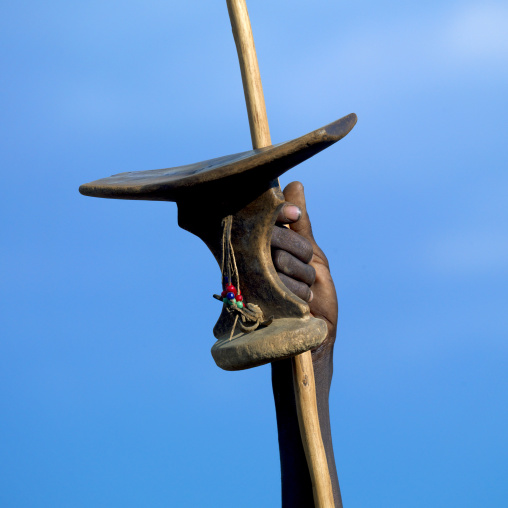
(109, 396)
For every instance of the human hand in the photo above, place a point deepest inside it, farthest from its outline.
(302, 266)
(304, 270)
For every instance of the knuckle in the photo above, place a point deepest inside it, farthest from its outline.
(312, 274)
(301, 247)
(306, 292)
(297, 288)
(279, 237)
(276, 257)
(280, 259)
(275, 236)
(307, 250)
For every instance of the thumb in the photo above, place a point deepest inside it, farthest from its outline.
(294, 194)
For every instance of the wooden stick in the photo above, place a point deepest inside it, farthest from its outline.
(308, 420)
(303, 370)
(251, 79)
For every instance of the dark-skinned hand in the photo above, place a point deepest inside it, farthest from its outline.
(303, 268)
(302, 265)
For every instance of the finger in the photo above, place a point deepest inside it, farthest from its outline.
(285, 239)
(289, 213)
(292, 267)
(297, 288)
(294, 193)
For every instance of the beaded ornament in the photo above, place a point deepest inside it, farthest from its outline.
(251, 315)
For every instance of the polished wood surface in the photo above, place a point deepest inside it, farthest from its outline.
(251, 78)
(235, 171)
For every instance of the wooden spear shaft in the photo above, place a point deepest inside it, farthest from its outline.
(251, 79)
(303, 370)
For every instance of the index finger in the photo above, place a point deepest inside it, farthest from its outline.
(285, 239)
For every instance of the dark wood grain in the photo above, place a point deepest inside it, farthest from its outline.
(264, 164)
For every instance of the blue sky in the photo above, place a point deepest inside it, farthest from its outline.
(108, 393)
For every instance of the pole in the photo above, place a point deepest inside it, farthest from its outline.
(251, 78)
(303, 370)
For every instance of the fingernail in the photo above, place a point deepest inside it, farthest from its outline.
(311, 296)
(292, 213)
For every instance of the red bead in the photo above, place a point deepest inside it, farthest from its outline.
(239, 298)
(231, 289)
(223, 294)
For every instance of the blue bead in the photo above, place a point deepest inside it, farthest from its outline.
(231, 296)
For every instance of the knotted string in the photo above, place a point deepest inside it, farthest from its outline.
(252, 314)
(228, 264)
